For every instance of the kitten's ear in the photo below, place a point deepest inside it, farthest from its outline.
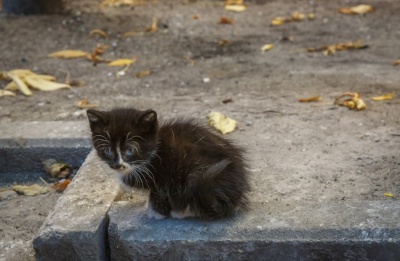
(96, 117)
(148, 120)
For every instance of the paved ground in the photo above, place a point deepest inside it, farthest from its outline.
(298, 152)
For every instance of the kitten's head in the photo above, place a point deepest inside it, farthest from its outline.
(124, 138)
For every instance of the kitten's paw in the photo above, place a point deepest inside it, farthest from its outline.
(151, 213)
(182, 214)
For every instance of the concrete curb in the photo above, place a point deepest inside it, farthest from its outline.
(76, 229)
(315, 231)
(24, 145)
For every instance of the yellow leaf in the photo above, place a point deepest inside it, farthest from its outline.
(311, 99)
(6, 93)
(44, 85)
(143, 74)
(11, 86)
(234, 2)
(98, 32)
(31, 190)
(353, 102)
(68, 54)
(359, 9)
(235, 8)
(297, 16)
(21, 72)
(122, 62)
(221, 122)
(278, 20)
(20, 83)
(388, 96)
(267, 47)
(390, 195)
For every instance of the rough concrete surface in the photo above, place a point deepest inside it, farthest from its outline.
(368, 230)
(299, 153)
(76, 228)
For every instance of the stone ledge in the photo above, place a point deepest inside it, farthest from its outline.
(76, 229)
(311, 231)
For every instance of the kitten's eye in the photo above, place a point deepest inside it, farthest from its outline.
(129, 152)
(108, 153)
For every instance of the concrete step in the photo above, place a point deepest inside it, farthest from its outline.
(89, 223)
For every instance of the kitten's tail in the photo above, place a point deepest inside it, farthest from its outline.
(216, 191)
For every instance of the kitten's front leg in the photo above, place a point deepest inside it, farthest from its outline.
(158, 205)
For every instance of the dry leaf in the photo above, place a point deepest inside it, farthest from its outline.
(353, 101)
(236, 8)
(224, 42)
(61, 186)
(68, 54)
(95, 55)
(221, 122)
(388, 96)
(99, 32)
(153, 28)
(311, 99)
(120, 3)
(20, 83)
(6, 93)
(225, 20)
(295, 17)
(278, 20)
(143, 74)
(234, 2)
(331, 49)
(397, 62)
(196, 17)
(44, 85)
(84, 104)
(267, 47)
(390, 195)
(359, 9)
(31, 190)
(122, 62)
(56, 169)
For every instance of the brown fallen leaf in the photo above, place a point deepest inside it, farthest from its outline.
(310, 99)
(388, 96)
(221, 122)
(196, 17)
(84, 104)
(98, 32)
(227, 100)
(68, 54)
(295, 17)
(397, 62)
(223, 42)
(6, 93)
(143, 74)
(225, 20)
(353, 101)
(154, 26)
(31, 190)
(56, 169)
(96, 53)
(61, 186)
(331, 49)
(359, 9)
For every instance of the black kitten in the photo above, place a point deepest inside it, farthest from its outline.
(190, 171)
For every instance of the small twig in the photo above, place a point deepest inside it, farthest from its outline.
(47, 184)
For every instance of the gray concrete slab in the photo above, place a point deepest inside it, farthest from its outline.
(368, 230)
(76, 229)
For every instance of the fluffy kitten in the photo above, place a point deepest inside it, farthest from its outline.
(190, 171)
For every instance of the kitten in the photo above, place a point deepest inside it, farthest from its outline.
(190, 171)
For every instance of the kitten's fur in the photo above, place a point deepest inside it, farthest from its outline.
(189, 170)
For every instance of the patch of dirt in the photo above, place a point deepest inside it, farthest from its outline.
(297, 151)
